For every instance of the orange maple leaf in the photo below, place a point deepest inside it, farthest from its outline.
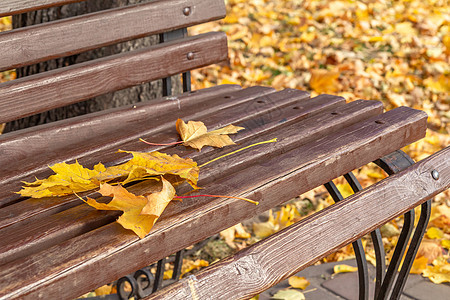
(139, 212)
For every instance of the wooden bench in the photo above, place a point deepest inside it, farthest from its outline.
(60, 248)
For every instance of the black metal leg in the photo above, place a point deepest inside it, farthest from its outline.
(159, 276)
(375, 235)
(393, 163)
(363, 273)
(167, 82)
(412, 250)
(177, 265)
(380, 257)
(402, 242)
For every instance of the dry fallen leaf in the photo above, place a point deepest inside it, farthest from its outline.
(69, 178)
(419, 264)
(429, 249)
(435, 233)
(298, 282)
(439, 272)
(344, 269)
(147, 164)
(139, 212)
(236, 231)
(195, 135)
(189, 265)
(289, 295)
(104, 290)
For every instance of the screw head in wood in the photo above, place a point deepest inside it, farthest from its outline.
(186, 11)
(190, 55)
(435, 174)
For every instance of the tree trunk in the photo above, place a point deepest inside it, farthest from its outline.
(135, 94)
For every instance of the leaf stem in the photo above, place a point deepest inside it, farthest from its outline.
(217, 158)
(218, 196)
(153, 144)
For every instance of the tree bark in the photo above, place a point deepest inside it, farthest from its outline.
(135, 94)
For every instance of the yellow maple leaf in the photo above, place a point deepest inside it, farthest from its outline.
(298, 282)
(445, 243)
(194, 134)
(69, 178)
(139, 212)
(74, 178)
(264, 229)
(144, 165)
(405, 29)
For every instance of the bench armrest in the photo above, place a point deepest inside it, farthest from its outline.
(254, 269)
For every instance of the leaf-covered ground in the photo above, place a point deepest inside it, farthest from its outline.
(393, 51)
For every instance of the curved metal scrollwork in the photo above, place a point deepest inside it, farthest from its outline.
(141, 284)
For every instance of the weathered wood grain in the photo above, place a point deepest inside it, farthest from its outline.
(31, 208)
(48, 144)
(86, 80)
(13, 7)
(262, 265)
(20, 239)
(70, 36)
(51, 272)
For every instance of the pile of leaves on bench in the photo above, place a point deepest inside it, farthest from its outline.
(140, 212)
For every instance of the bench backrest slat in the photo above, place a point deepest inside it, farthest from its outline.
(13, 7)
(23, 97)
(74, 35)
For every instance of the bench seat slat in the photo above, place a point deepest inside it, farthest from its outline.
(70, 36)
(108, 129)
(27, 208)
(18, 238)
(310, 165)
(79, 82)
(254, 269)
(13, 7)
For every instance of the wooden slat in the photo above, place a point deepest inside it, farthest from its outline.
(69, 36)
(23, 97)
(51, 272)
(108, 128)
(14, 7)
(31, 207)
(262, 265)
(91, 151)
(22, 240)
